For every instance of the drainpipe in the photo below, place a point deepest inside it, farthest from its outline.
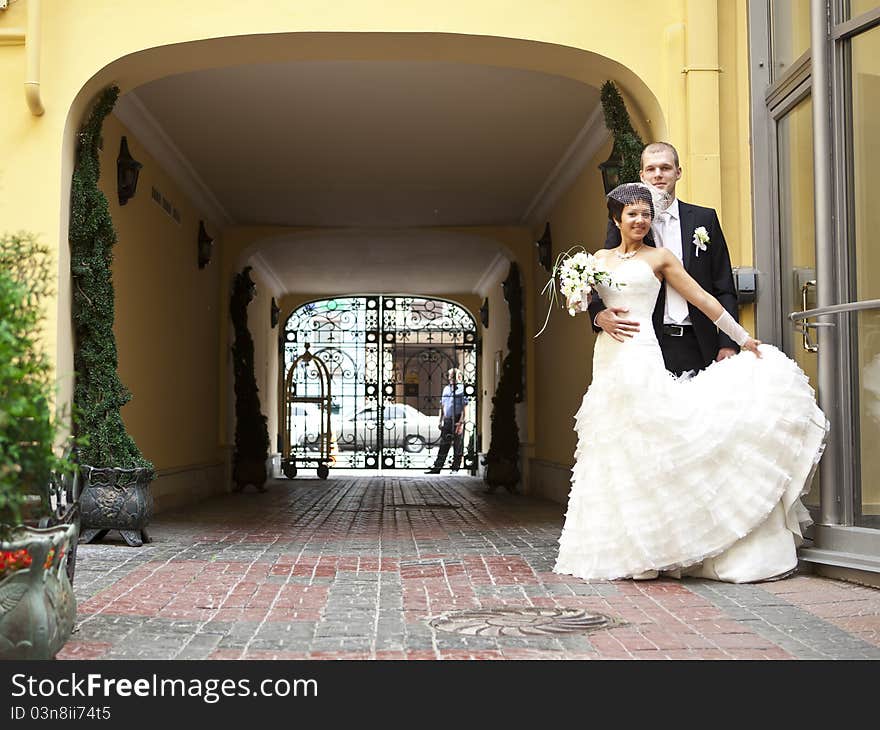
(31, 41)
(701, 79)
(32, 49)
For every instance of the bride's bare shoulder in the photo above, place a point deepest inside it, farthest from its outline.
(601, 253)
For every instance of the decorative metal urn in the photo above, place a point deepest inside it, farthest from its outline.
(116, 499)
(37, 605)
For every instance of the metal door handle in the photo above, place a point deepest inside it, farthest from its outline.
(808, 345)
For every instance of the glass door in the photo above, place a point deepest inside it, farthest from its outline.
(796, 236)
(795, 246)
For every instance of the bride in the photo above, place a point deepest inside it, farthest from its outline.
(697, 476)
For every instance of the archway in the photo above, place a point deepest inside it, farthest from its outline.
(525, 202)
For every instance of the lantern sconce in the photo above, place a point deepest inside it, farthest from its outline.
(610, 170)
(545, 248)
(484, 312)
(274, 311)
(204, 246)
(127, 171)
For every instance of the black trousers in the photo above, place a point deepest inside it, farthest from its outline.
(681, 354)
(448, 437)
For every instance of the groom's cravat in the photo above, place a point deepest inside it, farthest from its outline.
(667, 234)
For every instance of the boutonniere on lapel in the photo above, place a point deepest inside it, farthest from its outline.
(701, 240)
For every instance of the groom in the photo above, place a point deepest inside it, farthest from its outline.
(688, 338)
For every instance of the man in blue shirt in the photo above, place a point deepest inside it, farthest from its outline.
(452, 405)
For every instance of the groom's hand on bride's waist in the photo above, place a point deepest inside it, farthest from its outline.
(613, 323)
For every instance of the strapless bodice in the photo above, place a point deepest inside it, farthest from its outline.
(638, 288)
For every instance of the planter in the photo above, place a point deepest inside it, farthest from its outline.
(501, 472)
(37, 606)
(249, 471)
(116, 499)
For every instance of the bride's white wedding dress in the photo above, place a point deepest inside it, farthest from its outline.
(701, 475)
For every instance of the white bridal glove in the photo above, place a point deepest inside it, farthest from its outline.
(729, 326)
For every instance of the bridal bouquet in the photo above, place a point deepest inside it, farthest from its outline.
(578, 272)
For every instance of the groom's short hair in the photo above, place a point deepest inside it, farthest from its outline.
(658, 147)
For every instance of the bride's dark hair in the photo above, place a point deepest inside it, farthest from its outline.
(627, 194)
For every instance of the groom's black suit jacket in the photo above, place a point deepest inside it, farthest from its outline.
(711, 269)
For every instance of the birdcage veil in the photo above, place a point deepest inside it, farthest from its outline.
(629, 193)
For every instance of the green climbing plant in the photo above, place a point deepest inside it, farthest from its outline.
(251, 431)
(628, 144)
(98, 393)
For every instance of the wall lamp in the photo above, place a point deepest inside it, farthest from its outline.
(545, 248)
(610, 170)
(204, 246)
(127, 171)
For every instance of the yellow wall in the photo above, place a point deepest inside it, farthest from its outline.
(166, 316)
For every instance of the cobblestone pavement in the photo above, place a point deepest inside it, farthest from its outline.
(357, 567)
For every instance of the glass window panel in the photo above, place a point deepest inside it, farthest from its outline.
(865, 85)
(794, 142)
(865, 88)
(868, 504)
(789, 33)
(857, 7)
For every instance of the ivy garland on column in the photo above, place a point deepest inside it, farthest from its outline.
(628, 144)
(251, 431)
(98, 393)
(502, 459)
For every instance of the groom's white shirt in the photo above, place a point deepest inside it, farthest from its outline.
(667, 234)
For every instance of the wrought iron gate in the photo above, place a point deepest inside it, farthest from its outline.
(388, 357)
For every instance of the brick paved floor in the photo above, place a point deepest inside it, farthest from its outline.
(355, 567)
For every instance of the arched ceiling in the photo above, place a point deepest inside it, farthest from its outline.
(386, 260)
(368, 145)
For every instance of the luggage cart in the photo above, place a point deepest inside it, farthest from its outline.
(290, 459)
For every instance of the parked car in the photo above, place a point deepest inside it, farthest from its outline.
(305, 424)
(403, 427)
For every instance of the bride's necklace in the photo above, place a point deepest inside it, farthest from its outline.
(628, 255)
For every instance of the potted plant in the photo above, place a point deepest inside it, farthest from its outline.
(115, 475)
(37, 606)
(251, 431)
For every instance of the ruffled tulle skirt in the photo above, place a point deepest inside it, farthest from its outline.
(702, 475)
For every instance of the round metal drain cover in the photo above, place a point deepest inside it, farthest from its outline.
(522, 622)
